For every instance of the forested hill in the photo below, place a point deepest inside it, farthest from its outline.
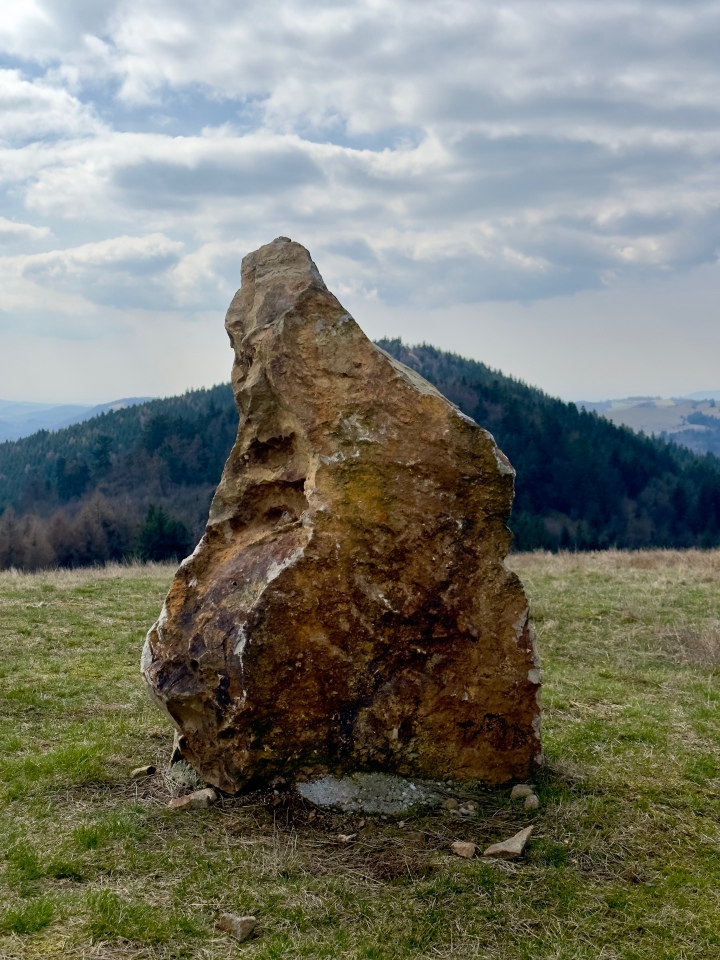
(139, 481)
(133, 482)
(582, 482)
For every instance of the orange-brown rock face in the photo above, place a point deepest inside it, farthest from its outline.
(347, 607)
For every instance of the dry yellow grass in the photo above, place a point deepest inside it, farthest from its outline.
(69, 578)
(671, 563)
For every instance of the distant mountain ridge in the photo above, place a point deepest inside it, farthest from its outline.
(138, 481)
(703, 395)
(692, 421)
(20, 419)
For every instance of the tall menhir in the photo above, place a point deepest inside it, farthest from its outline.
(348, 607)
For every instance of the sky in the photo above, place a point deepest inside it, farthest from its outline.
(532, 184)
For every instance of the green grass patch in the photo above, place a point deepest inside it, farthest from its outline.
(112, 917)
(31, 917)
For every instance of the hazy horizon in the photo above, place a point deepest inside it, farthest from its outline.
(95, 402)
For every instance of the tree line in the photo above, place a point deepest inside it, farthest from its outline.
(138, 482)
(98, 531)
(129, 483)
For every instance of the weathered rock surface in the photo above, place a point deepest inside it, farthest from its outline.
(347, 608)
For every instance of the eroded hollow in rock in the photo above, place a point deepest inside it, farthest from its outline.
(348, 608)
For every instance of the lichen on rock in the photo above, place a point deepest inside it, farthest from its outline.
(348, 607)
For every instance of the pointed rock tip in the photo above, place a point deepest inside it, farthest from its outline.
(281, 256)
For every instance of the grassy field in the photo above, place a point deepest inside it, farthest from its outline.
(624, 862)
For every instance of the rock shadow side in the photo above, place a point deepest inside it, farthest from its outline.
(347, 607)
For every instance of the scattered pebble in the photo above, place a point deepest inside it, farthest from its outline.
(510, 849)
(238, 927)
(463, 848)
(520, 790)
(451, 804)
(531, 802)
(347, 837)
(198, 800)
(468, 809)
(139, 772)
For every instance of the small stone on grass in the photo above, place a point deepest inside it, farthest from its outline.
(198, 800)
(238, 927)
(451, 804)
(139, 772)
(531, 802)
(520, 790)
(463, 848)
(415, 836)
(510, 849)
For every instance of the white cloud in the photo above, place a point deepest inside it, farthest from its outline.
(33, 109)
(375, 64)
(12, 231)
(499, 209)
(427, 153)
(126, 253)
(130, 271)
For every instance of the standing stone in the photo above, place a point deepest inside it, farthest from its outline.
(347, 607)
